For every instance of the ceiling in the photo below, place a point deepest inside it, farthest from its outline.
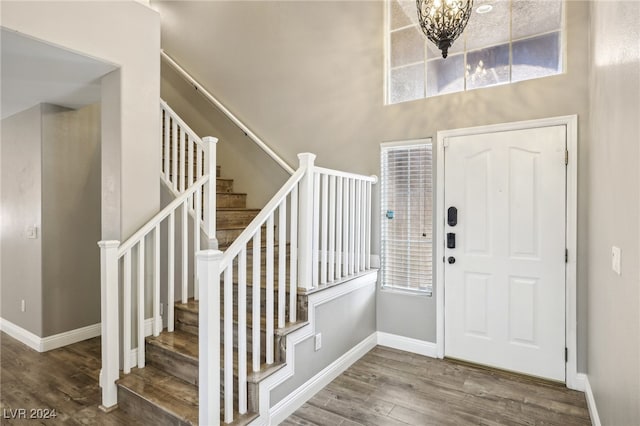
(34, 72)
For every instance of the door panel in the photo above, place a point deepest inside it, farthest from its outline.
(505, 293)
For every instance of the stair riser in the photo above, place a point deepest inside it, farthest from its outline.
(224, 185)
(144, 411)
(173, 363)
(234, 218)
(229, 200)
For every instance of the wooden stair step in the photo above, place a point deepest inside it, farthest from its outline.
(234, 217)
(158, 398)
(231, 199)
(224, 185)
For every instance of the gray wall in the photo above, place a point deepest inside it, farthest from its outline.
(51, 178)
(614, 212)
(71, 218)
(308, 76)
(344, 322)
(21, 207)
(125, 33)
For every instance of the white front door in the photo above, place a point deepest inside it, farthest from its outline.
(505, 279)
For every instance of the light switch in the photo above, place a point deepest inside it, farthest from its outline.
(615, 259)
(32, 232)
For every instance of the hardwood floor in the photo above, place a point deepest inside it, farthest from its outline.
(385, 387)
(391, 387)
(64, 380)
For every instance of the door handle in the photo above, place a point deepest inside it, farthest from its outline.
(452, 216)
(451, 260)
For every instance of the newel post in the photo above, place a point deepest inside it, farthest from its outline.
(305, 222)
(110, 323)
(208, 264)
(209, 219)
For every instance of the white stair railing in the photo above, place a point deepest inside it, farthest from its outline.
(323, 233)
(185, 159)
(189, 170)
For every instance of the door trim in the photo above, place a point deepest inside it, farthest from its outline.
(571, 123)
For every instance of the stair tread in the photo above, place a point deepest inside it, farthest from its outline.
(173, 395)
(242, 209)
(161, 389)
(186, 345)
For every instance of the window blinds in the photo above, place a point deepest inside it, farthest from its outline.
(406, 217)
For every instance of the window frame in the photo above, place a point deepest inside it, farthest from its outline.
(387, 4)
(429, 292)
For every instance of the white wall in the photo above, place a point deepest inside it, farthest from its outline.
(125, 33)
(308, 76)
(614, 212)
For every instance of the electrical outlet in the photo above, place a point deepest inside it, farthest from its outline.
(23, 306)
(615, 259)
(318, 341)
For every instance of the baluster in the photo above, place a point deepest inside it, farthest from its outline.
(171, 243)
(167, 141)
(338, 228)
(141, 336)
(242, 331)
(352, 224)
(332, 227)
(345, 229)
(228, 344)
(210, 190)
(126, 313)
(269, 291)
(157, 319)
(255, 338)
(293, 256)
(316, 230)
(363, 227)
(190, 164)
(324, 206)
(282, 262)
(183, 148)
(358, 227)
(199, 162)
(368, 241)
(174, 156)
(185, 251)
(196, 239)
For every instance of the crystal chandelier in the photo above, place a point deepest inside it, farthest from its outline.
(442, 21)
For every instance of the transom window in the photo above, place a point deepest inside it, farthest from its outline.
(515, 40)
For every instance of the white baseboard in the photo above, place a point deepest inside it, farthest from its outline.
(148, 331)
(420, 347)
(298, 397)
(591, 402)
(579, 383)
(284, 408)
(44, 344)
(20, 334)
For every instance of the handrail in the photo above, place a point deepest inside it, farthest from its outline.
(372, 179)
(151, 224)
(258, 221)
(183, 125)
(228, 113)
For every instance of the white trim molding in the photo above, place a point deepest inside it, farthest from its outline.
(571, 318)
(44, 344)
(289, 404)
(407, 344)
(268, 414)
(591, 401)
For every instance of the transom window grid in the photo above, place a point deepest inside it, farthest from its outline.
(518, 40)
(407, 217)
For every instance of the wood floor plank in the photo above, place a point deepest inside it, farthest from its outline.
(388, 387)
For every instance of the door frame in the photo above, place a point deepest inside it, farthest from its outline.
(571, 123)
